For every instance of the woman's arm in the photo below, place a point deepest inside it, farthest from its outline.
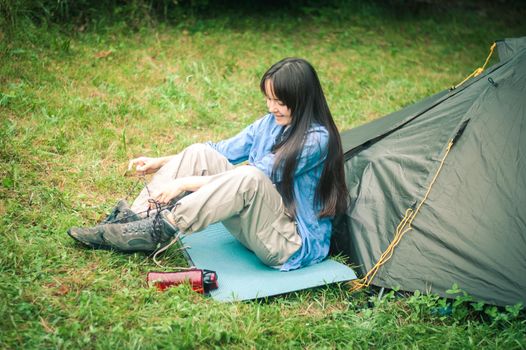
(237, 148)
(177, 186)
(148, 165)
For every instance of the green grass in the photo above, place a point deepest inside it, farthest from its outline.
(76, 105)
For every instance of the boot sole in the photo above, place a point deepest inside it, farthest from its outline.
(91, 245)
(107, 247)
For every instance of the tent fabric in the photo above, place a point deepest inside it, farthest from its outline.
(472, 228)
(508, 47)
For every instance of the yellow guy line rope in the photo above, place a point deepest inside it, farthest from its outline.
(403, 227)
(478, 70)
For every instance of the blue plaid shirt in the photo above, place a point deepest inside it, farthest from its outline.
(254, 144)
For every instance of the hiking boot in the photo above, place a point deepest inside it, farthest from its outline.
(121, 214)
(141, 235)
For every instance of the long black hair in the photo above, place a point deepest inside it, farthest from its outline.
(295, 83)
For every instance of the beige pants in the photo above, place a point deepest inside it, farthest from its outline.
(242, 197)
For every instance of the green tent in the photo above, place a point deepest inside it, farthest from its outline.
(470, 228)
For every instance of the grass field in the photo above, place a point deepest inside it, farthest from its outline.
(77, 102)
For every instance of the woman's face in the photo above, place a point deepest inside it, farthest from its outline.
(281, 112)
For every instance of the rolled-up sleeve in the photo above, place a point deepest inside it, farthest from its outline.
(237, 148)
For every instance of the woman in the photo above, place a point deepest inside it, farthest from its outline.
(280, 204)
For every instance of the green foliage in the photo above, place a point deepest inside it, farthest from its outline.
(464, 306)
(44, 11)
(76, 104)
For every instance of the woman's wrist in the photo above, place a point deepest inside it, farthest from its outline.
(164, 160)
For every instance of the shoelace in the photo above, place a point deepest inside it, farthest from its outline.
(158, 229)
(162, 249)
(157, 222)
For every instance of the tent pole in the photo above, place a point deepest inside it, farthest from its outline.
(381, 294)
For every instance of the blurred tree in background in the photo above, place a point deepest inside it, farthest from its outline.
(80, 13)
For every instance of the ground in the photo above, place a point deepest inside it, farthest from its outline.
(76, 102)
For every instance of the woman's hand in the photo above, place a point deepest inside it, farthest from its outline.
(175, 187)
(169, 191)
(146, 165)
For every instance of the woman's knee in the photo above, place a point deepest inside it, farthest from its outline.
(197, 148)
(251, 177)
(202, 150)
(252, 173)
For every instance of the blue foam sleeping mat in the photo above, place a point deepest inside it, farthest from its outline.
(242, 276)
